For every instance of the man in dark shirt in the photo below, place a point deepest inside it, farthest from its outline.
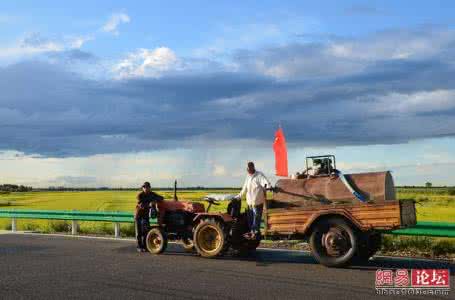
(145, 201)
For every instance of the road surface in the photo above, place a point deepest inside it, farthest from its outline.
(48, 267)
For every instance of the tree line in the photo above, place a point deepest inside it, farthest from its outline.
(15, 188)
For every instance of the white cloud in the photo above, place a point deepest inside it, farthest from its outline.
(418, 102)
(146, 63)
(114, 21)
(219, 170)
(34, 44)
(79, 41)
(343, 56)
(161, 168)
(392, 45)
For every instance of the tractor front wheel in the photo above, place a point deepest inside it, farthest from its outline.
(156, 241)
(209, 238)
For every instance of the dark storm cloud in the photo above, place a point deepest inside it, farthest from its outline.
(321, 96)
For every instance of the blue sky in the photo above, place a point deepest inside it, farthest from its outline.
(113, 93)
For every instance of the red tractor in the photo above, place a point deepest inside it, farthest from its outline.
(211, 234)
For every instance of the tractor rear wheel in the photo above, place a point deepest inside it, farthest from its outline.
(333, 242)
(156, 241)
(209, 238)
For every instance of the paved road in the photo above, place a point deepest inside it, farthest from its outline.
(37, 266)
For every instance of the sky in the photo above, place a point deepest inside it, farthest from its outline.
(114, 93)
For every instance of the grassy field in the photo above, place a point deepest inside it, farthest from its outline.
(86, 201)
(433, 204)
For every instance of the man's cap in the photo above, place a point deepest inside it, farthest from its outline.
(317, 161)
(250, 164)
(146, 184)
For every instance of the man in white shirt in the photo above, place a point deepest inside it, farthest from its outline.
(255, 187)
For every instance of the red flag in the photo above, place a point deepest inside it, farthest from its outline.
(281, 153)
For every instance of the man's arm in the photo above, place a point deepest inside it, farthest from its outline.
(157, 198)
(138, 205)
(265, 182)
(244, 188)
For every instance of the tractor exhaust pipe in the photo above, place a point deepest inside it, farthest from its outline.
(175, 191)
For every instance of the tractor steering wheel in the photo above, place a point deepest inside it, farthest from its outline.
(212, 201)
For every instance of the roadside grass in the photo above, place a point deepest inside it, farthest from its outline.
(418, 246)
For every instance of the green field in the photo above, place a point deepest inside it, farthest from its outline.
(434, 204)
(88, 201)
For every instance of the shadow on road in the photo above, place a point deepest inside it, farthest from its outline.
(265, 257)
(405, 263)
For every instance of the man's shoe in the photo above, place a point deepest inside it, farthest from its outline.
(247, 235)
(143, 250)
(139, 249)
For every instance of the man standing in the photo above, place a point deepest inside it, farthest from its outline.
(255, 189)
(145, 201)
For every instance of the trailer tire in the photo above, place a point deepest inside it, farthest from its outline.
(334, 242)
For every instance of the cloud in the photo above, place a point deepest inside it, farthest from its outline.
(35, 45)
(111, 26)
(321, 99)
(72, 55)
(39, 43)
(74, 181)
(273, 28)
(78, 41)
(343, 56)
(414, 103)
(146, 63)
(219, 170)
(363, 10)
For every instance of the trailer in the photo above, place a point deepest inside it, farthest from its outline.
(342, 216)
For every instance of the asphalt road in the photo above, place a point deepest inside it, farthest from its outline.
(48, 267)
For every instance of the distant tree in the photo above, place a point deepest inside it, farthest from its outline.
(14, 188)
(428, 184)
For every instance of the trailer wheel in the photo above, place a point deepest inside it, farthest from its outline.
(209, 238)
(333, 242)
(156, 241)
